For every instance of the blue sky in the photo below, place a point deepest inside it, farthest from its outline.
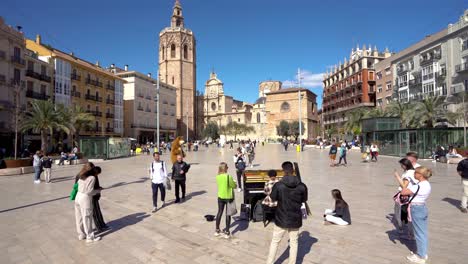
(245, 41)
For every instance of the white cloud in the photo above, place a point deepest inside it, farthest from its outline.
(308, 80)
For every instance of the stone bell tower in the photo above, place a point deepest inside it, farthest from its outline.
(177, 67)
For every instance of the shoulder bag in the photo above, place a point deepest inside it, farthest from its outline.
(231, 205)
(74, 192)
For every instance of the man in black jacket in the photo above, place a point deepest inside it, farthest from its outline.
(179, 172)
(290, 193)
(462, 169)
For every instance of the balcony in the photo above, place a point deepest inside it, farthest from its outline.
(431, 59)
(402, 84)
(76, 94)
(36, 95)
(109, 129)
(94, 82)
(93, 129)
(148, 97)
(45, 78)
(110, 87)
(18, 60)
(16, 82)
(110, 101)
(109, 115)
(95, 113)
(461, 67)
(93, 98)
(414, 82)
(141, 95)
(140, 108)
(76, 77)
(148, 110)
(36, 75)
(428, 77)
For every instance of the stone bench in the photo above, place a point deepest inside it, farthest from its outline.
(9, 172)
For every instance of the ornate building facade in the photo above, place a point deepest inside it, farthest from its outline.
(177, 67)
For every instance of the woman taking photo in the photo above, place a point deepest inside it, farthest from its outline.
(406, 180)
(341, 214)
(84, 207)
(226, 186)
(418, 212)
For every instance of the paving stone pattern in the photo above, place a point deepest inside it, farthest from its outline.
(37, 221)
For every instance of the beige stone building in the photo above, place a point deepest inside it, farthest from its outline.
(177, 67)
(12, 81)
(140, 107)
(39, 74)
(273, 105)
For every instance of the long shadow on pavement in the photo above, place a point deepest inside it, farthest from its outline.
(34, 204)
(241, 225)
(305, 245)
(119, 184)
(393, 236)
(452, 201)
(117, 224)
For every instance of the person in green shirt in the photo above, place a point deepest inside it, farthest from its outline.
(226, 186)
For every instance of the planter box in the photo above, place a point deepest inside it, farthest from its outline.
(18, 163)
(25, 170)
(8, 172)
(79, 161)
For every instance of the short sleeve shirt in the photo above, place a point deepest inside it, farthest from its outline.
(424, 191)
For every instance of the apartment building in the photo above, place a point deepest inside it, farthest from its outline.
(350, 85)
(140, 106)
(435, 66)
(12, 81)
(384, 83)
(79, 82)
(39, 75)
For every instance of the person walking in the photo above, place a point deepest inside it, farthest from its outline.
(46, 162)
(374, 150)
(179, 175)
(290, 193)
(226, 186)
(332, 154)
(97, 213)
(406, 180)
(84, 207)
(343, 151)
(341, 215)
(239, 162)
(419, 213)
(37, 167)
(462, 169)
(285, 144)
(158, 176)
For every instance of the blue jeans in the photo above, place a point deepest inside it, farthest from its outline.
(37, 173)
(419, 220)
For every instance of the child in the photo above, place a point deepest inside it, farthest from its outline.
(341, 215)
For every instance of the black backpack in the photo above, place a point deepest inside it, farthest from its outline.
(257, 215)
(240, 165)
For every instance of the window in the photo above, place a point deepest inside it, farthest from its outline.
(379, 102)
(185, 52)
(30, 85)
(178, 23)
(379, 75)
(465, 43)
(388, 71)
(285, 107)
(388, 86)
(213, 106)
(173, 79)
(379, 88)
(96, 125)
(428, 72)
(388, 100)
(17, 52)
(403, 80)
(30, 66)
(43, 70)
(16, 76)
(258, 118)
(163, 52)
(43, 89)
(173, 50)
(428, 88)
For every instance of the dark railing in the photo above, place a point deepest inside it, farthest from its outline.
(2, 78)
(141, 95)
(95, 113)
(93, 98)
(94, 82)
(428, 76)
(18, 60)
(109, 115)
(45, 78)
(93, 129)
(109, 129)
(36, 95)
(140, 108)
(2, 54)
(461, 67)
(110, 87)
(110, 101)
(433, 58)
(75, 77)
(148, 97)
(76, 94)
(415, 81)
(402, 84)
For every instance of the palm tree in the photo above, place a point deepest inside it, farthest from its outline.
(401, 110)
(427, 112)
(43, 118)
(79, 120)
(353, 124)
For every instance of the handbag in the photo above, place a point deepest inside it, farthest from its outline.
(231, 208)
(74, 192)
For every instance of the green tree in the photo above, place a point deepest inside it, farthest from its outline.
(354, 119)
(235, 129)
(401, 110)
(283, 129)
(43, 118)
(79, 120)
(294, 127)
(211, 131)
(427, 112)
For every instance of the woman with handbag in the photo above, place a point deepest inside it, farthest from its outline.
(418, 213)
(406, 180)
(226, 186)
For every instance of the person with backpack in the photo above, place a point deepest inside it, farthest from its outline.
(239, 162)
(226, 186)
(341, 215)
(406, 180)
(158, 175)
(418, 213)
(47, 165)
(332, 154)
(290, 193)
(343, 151)
(179, 175)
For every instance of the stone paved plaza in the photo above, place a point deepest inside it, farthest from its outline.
(37, 222)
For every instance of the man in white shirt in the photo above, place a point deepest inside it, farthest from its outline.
(158, 175)
(413, 157)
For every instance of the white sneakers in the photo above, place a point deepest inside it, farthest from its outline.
(154, 210)
(37, 181)
(414, 258)
(239, 190)
(93, 239)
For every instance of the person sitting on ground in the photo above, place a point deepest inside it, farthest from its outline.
(341, 215)
(452, 153)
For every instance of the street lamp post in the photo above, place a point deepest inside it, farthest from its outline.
(157, 111)
(300, 109)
